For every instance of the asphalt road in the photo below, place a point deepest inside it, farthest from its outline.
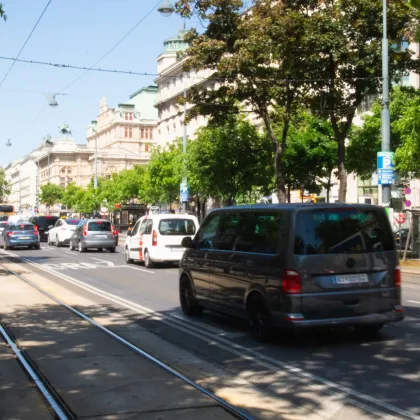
(385, 368)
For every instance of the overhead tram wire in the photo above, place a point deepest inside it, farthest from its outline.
(136, 73)
(112, 48)
(24, 44)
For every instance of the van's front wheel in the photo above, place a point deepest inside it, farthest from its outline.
(148, 262)
(260, 320)
(189, 304)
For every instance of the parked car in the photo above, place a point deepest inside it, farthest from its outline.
(157, 238)
(43, 224)
(93, 233)
(20, 235)
(294, 265)
(62, 231)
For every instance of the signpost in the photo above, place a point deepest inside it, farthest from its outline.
(183, 193)
(386, 168)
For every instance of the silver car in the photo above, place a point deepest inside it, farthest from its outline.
(93, 233)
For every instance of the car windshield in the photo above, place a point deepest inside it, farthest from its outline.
(99, 226)
(177, 227)
(24, 226)
(340, 231)
(73, 222)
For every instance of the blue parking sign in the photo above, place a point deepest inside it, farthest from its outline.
(386, 168)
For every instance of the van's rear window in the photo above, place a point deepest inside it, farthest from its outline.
(177, 227)
(45, 221)
(99, 226)
(342, 231)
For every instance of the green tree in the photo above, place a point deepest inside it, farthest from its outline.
(365, 141)
(230, 161)
(4, 185)
(326, 51)
(2, 12)
(311, 154)
(51, 194)
(71, 196)
(254, 55)
(164, 174)
(345, 38)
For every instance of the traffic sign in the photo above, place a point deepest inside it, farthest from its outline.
(407, 203)
(385, 164)
(183, 192)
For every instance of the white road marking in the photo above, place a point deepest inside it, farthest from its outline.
(140, 269)
(413, 301)
(239, 350)
(108, 263)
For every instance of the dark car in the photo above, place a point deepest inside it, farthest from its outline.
(20, 235)
(93, 233)
(294, 265)
(43, 224)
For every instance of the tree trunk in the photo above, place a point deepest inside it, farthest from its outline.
(289, 193)
(342, 174)
(198, 207)
(328, 187)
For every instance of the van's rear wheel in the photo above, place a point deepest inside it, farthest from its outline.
(189, 304)
(260, 320)
(128, 260)
(368, 330)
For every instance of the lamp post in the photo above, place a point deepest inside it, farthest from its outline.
(385, 119)
(166, 9)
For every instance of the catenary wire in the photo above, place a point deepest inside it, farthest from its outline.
(24, 44)
(136, 73)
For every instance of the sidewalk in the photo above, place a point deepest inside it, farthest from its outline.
(95, 375)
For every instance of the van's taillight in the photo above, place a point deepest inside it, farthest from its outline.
(397, 277)
(85, 230)
(291, 282)
(154, 238)
(36, 228)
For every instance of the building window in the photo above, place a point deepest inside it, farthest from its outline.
(129, 116)
(128, 132)
(146, 147)
(63, 182)
(142, 133)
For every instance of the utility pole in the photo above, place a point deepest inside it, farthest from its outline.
(184, 184)
(95, 179)
(385, 120)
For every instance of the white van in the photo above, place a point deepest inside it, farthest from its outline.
(157, 238)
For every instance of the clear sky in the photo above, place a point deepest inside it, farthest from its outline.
(76, 32)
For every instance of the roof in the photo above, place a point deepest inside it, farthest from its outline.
(295, 206)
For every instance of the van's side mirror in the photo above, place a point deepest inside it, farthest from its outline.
(187, 242)
(50, 226)
(129, 233)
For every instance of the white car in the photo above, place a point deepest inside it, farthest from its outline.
(62, 231)
(157, 238)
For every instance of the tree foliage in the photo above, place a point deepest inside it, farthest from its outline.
(4, 185)
(164, 173)
(325, 53)
(365, 141)
(229, 161)
(2, 12)
(51, 194)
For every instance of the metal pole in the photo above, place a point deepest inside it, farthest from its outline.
(184, 143)
(386, 129)
(95, 179)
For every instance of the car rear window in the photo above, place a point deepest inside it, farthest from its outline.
(23, 226)
(72, 222)
(176, 227)
(4, 218)
(342, 231)
(44, 222)
(99, 226)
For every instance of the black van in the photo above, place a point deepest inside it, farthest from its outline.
(294, 265)
(43, 225)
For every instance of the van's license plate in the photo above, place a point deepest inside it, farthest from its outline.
(99, 236)
(351, 278)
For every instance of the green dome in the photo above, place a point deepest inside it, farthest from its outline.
(176, 43)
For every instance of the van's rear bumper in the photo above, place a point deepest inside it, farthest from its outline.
(297, 320)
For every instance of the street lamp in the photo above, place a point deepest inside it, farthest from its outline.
(165, 8)
(8, 143)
